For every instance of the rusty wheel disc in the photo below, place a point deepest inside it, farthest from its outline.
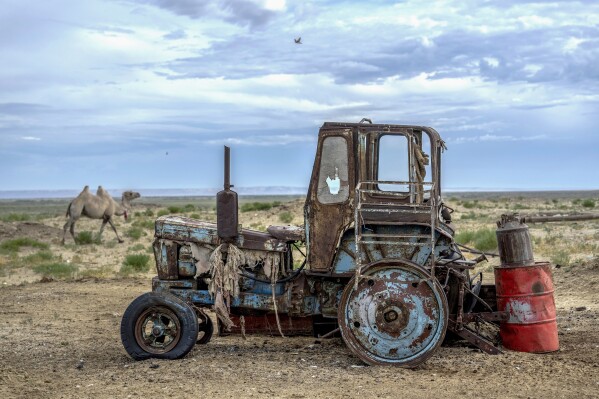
(395, 316)
(157, 330)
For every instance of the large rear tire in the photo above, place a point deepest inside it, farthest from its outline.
(158, 325)
(396, 315)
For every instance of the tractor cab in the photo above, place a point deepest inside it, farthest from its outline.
(373, 184)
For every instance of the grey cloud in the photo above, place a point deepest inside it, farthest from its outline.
(189, 8)
(239, 12)
(176, 34)
(245, 12)
(455, 53)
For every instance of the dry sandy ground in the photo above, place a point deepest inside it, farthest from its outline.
(61, 340)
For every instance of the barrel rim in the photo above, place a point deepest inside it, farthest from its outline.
(536, 264)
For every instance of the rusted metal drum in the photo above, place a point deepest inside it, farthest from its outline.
(526, 293)
(396, 314)
(513, 241)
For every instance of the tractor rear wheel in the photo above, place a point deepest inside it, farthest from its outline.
(396, 315)
(158, 325)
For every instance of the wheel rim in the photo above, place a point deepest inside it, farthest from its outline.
(157, 330)
(395, 316)
(205, 329)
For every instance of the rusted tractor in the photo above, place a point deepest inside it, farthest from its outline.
(381, 265)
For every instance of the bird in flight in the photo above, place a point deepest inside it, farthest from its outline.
(298, 40)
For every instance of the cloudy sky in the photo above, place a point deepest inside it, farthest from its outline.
(99, 91)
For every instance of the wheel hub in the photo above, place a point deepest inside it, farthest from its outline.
(158, 330)
(392, 318)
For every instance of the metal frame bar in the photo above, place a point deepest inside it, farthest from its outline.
(363, 207)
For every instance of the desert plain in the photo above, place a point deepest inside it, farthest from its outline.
(61, 307)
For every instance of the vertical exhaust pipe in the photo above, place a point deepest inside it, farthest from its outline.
(227, 168)
(227, 205)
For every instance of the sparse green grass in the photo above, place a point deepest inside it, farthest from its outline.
(57, 270)
(135, 263)
(482, 239)
(259, 206)
(14, 245)
(175, 209)
(286, 217)
(148, 212)
(144, 224)
(136, 247)
(464, 237)
(195, 216)
(469, 216)
(163, 212)
(135, 233)
(560, 257)
(38, 257)
(86, 238)
(110, 244)
(258, 226)
(588, 203)
(102, 272)
(16, 217)
(189, 208)
(577, 201)
(469, 204)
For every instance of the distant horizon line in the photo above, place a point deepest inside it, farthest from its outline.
(253, 190)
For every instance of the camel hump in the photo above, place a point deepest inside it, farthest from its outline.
(85, 190)
(100, 191)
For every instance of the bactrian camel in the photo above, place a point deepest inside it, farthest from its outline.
(99, 206)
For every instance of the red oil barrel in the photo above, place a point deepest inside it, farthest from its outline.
(526, 293)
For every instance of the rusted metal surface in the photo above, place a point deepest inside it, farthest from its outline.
(327, 294)
(395, 315)
(165, 253)
(227, 205)
(526, 294)
(408, 273)
(266, 324)
(325, 223)
(398, 241)
(475, 339)
(483, 316)
(179, 228)
(513, 241)
(287, 233)
(559, 217)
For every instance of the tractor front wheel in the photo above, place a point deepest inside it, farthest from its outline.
(158, 325)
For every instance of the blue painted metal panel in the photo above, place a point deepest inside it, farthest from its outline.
(345, 260)
(186, 268)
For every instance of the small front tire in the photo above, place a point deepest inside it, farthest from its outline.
(159, 325)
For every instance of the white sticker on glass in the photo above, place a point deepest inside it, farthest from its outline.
(334, 184)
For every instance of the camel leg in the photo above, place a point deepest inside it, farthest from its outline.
(72, 230)
(64, 229)
(114, 228)
(104, 221)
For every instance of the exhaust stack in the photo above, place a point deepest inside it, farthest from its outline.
(227, 205)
